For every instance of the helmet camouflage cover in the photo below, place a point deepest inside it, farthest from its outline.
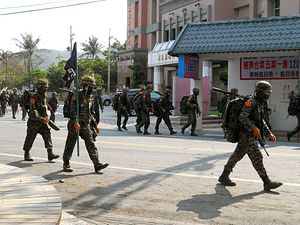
(88, 81)
(42, 83)
(262, 86)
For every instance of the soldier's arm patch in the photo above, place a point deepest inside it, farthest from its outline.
(248, 103)
(32, 101)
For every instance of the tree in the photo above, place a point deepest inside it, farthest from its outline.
(29, 45)
(92, 47)
(137, 76)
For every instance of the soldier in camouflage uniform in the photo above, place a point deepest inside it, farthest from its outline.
(38, 122)
(53, 103)
(145, 106)
(164, 107)
(3, 101)
(136, 101)
(295, 106)
(122, 109)
(193, 109)
(14, 101)
(253, 127)
(82, 126)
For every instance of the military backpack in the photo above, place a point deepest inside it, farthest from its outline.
(183, 105)
(115, 101)
(294, 105)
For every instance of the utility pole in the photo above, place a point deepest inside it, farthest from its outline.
(6, 68)
(71, 40)
(108, 67)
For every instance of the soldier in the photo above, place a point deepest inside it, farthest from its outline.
(122, 109)
(3, 101)
(253, 126)
(14, 101)
(98, 103)
(164, 106)
(193, 109)
(136, 101)
(22, 103)
(144, 105)
(53, 103)
(228, 97)
(82, 126)
(293, 110)
(38, 122)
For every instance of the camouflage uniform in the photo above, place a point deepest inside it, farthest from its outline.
(164, 107)
(145, 106)
(252, 121)
(38, 122)
(295, 104)
(14, 101)
(122, 110)
(3, 101)
(53, 103)
(98, 103)
(86, 119)
(193, 109)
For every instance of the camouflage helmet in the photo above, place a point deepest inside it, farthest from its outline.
(149, 87)
(88, 81)
(42, 83)
(262, 86)
(54, 94)
(15, 90)
(196, 90)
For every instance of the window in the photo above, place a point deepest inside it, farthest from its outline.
(286, 89)
(276, 7)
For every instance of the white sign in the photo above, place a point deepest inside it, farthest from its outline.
(160, 58)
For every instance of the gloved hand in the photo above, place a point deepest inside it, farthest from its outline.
(77, 126)
(98, 129)
(256, 133)
(272, 137)
(45, 120)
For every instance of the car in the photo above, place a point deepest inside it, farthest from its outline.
(155, 95)
(106, 99)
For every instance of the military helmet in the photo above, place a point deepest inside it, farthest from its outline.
(262, 86)
(149, 87)
(14, 89)
(88, 81)
(42, 83)
(54, 94)
(196, 90)
(167, 91)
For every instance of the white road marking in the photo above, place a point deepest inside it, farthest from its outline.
(156, 171)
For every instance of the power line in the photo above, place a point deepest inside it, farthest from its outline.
(49, 8)
(25, 6)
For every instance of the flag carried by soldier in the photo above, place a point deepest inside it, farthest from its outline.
(71, 67)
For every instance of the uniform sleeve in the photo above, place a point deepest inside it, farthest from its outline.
(245, 114)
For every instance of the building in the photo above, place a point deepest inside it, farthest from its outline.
(163, 23)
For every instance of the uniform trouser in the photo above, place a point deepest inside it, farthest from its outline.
(97, 116)
(163, 116)
(86, 134)
(297, 129)
(3, 109)
(24, 112)
(145, 120)
(138, 115)
(192, 120)
(247, 146)
(32, 131)
(122, 112)
(14, 109)
(52, 115)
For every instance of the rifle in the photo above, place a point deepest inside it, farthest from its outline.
(262, 144)
(53, 125)
(221, 91)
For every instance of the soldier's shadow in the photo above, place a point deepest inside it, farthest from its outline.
(208, 206)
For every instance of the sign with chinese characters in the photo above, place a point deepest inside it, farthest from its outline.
(188, 66)
(257, 68)
(161, 58)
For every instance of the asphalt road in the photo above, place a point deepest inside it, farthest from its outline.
(160, 179)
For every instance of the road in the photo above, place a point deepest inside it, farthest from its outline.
(160, 179)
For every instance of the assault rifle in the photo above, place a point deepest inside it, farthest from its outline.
(262, 144)
(221, 91)
(53, 125)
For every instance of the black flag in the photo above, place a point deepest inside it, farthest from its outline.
(71, 67)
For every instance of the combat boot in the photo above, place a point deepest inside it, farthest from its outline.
(138, 130)
(157, 132)
(67, 167)
(173, 132)
(124, 127)
(288, 135)
(100, 166)
(271, 185)
(27, 156)
(194, 134)
(51, 156)
(182, 130)
(225, 180)
(119, 128)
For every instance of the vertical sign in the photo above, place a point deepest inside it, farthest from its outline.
(188, 66)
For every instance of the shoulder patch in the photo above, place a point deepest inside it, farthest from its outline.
(248, 103)
(32, 101)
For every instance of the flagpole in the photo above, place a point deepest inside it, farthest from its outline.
(77, 96)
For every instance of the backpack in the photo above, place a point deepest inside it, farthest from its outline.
(183, 105)
(26, 96)
(294, 105)
(156, 111)
(231, 124)
(115, 101)
(67, 105)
